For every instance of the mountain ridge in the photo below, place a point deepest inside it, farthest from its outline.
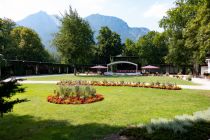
(43, 24)
(117, 25)
(46, 25)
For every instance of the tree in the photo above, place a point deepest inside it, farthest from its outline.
(75, 39)
(7, 45)
(197, 34)
(152, 48)
(29, 46)
(20, 42)
(130, 48)
(109, 44)
(174, 24)
(7, 90)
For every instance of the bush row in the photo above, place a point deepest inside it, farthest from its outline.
(158, 85)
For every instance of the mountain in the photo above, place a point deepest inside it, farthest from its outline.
(46, 25)
(96, 21)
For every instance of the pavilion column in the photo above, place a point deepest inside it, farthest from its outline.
(59, 69)
(67, 70)
(208, 62)
(37, 69)
(136, 68)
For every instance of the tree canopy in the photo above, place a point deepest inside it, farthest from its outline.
(29, 46)
(7, 47)
(109, 44)
(175, 24)
(197, 33)
(75, 39)
(130, 48)
(20, 42)
(152, 48)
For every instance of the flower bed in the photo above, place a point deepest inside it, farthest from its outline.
(157, 85)
(74, 100)
(74, 95)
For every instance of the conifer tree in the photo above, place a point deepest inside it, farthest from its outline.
(8, 88)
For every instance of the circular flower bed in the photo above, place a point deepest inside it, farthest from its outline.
(74, 95)
(74, 100)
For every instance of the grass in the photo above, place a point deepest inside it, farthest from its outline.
(123, 106)
(161, 79)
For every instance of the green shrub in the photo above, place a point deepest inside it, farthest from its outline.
(75, 91)
(105, 81)
(122, 82)
(157, 83)
(189, 78)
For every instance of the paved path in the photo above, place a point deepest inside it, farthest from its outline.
(203, 84)
(38, 82)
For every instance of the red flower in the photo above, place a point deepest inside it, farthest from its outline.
(74, 100)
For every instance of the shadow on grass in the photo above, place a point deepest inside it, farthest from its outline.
(13, 127)
(199, 130)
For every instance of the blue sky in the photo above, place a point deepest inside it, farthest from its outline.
(137, 13)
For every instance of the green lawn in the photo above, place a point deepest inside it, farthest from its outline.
(39, 120)
(161, 79)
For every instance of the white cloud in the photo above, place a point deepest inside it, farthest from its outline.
(158, 10)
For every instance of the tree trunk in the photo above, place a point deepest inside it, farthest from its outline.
(196, 69)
